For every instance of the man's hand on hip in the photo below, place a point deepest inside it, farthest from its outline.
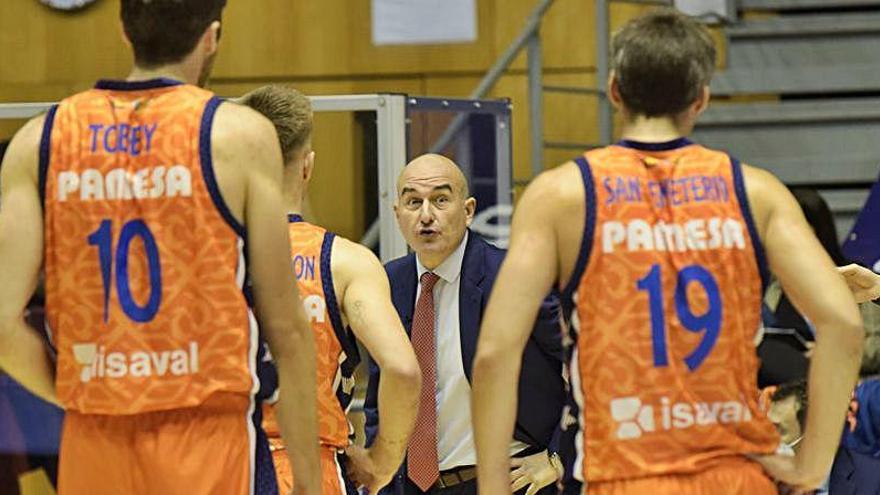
(535, 472)
(365, 471)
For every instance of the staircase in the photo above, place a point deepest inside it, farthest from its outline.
(801, 96)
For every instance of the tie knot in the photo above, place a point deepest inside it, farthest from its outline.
(428, 280)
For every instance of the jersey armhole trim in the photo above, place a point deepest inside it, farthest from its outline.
(342, 335)
(45, 152)
(207, 163)
(743, 199)
(589, 228)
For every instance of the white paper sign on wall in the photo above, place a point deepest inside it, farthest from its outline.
(409, 22)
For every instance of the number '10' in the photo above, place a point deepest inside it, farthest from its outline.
(708, 322)
(103, 239)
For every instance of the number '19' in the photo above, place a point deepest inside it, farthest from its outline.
(708, 322)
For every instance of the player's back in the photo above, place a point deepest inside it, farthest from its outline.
(666, 294)
(335, 348)
(144, 260)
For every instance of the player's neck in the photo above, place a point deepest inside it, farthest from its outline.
(294, 191)
(653, 130)
(293, 203)
(180, 72)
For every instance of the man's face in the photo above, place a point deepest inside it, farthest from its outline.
(432, 210)
(783, 413)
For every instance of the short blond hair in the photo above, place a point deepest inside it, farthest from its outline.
(290, 112)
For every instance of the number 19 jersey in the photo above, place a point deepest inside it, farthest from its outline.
(666, 296)
(144, 263)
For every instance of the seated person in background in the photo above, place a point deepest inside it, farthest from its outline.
(856, 469)
(788, 412)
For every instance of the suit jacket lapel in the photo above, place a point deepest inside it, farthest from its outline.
(470, 303)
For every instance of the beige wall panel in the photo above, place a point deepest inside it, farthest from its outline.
(8, 128)
(286, 38)
(46, 46)
(324, 47)
(570, 117)
(568, 32)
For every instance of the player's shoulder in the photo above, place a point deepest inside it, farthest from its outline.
(22, 150)
(31, 132)
(559, 187)
(762, 187)
(351, 261)
(240, 126)
(352, 255)
(758, 179)
(767, 196)
(244, 144)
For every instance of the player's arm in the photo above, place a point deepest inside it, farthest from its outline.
(812, 283)
(22, 351)
(366, 303)
(527, 275)
(254, 145)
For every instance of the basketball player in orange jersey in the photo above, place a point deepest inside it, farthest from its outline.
(662, 247)
(152, 205)
(346, 296)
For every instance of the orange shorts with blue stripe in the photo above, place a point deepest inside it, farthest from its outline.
(334, 480)
(210, 449)
(730, 477)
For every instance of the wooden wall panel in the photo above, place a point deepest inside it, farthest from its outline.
(568, 33)
(42, 46)
(324, 47)
(290, 38)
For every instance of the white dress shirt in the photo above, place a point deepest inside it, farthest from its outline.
(455, 436)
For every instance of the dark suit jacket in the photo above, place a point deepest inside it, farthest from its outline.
(541, 386)
(854, 474)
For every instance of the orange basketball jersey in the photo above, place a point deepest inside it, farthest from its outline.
(336, 349)
(144, 262)
(666, 296)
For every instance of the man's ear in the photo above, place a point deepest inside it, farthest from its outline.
(211, 38)
(702, 102)
(470, 208)
(613, 88)
(308, 166)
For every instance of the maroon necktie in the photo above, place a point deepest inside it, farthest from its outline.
(421, 456)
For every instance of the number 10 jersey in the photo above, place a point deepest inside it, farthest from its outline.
(666, 299)
(144, 263)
